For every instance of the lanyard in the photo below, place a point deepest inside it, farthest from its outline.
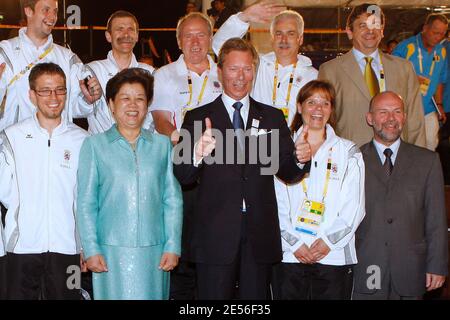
(382, 77)
(276, 84)
(202, 91)
(20, 75)
(420, 57)
(30, 65)
(327, 178)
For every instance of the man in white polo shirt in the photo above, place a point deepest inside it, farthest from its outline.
(122, 31)
(38, 166)
(189, 82)
(283, 72)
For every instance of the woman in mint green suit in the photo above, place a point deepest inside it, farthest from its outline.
(129, 206)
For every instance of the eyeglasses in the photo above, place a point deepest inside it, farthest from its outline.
(48, 92)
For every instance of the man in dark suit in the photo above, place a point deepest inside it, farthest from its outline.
(402, 242)
(235, 234)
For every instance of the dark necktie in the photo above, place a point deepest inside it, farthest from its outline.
(388, 166)
(238, 123)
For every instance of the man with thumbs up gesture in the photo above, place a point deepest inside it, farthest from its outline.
(236, 235)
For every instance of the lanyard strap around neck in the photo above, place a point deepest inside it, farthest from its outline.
(327, 178)
(420, 57)
(276, 84)
(202, 91)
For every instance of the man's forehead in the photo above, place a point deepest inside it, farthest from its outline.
(286, 20)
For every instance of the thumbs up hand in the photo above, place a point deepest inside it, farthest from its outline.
(302, 146)
(206, 144)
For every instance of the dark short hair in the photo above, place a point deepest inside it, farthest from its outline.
(435, 16)
(237, 44)
(28, 4)
(307, 91)
(130, 75)
(360, 10)
(121, 14)
(44, 68)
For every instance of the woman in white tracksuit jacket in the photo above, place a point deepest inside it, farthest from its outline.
(319, 216)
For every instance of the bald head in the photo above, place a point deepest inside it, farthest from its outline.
(387, 117)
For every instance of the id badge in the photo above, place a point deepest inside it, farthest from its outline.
(424, 86)
(310, 217)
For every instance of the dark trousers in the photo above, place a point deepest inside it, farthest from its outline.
(219, 282)
(3, 278)
(183, 277)
(444, 149)
(40, 276)
(298, 281)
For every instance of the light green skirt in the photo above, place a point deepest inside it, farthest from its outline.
(133, 274)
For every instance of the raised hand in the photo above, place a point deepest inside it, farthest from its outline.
(93, 91)
(261, 12)
(302, 146)
(206, 144)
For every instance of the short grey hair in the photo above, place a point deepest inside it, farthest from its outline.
(288, 14)
(193, 15)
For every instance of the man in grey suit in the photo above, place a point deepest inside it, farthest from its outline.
(364, 71)
(401, 244)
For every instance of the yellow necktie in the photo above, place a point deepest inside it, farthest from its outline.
(371, 78)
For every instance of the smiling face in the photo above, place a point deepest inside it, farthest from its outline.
(129, 106)
(49, 107)
(286, 39)
(194, 40)
(387, 117)
(316, 110)
(123, 34)
(366, 33)
(237, 73)
(42, 19)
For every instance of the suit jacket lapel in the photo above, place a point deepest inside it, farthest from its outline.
(389, 68)
(403, 163)
(351, 68)
(254, 113)
(374, 165)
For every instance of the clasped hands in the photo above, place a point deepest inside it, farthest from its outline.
(316, 252)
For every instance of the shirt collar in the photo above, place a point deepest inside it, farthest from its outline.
(23, 37)
(133, 63)
(381, 147)
(59, 129)
(113, 134)
(301, 59)
(182, 69)
(360, 56)
(228, 102)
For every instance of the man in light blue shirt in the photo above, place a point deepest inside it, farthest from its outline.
(428, 56)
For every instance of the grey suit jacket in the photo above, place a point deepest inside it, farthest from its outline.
(404, 231)
(352, 97)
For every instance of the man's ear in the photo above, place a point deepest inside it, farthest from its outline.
(349, 33)
(108, 36)
(32, 95)
(28, 12)
(369, 119)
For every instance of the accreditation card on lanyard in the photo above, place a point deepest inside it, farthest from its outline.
(188, 106)
(311, 213)
(425, 81)
(276, 85)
